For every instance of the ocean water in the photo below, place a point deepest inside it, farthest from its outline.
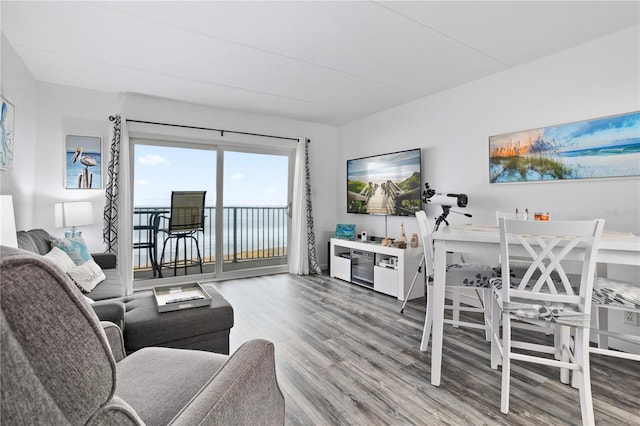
(257, 229)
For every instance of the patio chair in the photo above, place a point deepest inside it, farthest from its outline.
(186, 221)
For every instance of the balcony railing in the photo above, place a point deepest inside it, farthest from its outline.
(248, 234)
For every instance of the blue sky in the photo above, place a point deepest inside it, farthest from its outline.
(250, 179)
(597, 133)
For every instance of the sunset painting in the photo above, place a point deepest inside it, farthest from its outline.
(599, 148)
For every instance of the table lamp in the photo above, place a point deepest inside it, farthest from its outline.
(77, 213)
(7, 222)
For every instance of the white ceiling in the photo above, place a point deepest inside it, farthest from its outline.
(328, 61)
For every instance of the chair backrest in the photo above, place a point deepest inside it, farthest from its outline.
(548, 245)
(187, 211)
(426, 239)
(57, 367)
(507, 215)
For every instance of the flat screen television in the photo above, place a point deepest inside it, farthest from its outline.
(386, 184)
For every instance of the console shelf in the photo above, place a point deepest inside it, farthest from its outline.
(388, 270)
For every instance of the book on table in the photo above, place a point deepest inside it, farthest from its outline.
(181, 296)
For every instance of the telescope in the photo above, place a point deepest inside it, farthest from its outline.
(450, 200)
(430, 196)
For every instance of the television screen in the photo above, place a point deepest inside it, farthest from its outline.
(388, 184)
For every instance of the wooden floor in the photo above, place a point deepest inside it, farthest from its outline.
(346, 356)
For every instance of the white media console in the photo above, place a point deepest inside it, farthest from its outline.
(388, 270)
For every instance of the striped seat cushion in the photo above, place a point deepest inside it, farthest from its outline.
(617, 293)
(536, 310)
(468, 275)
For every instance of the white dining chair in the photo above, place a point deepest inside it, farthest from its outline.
(458, 276)
(614, 295)
(538, 299)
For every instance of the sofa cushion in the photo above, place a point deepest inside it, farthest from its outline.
(110, 288)
(25, 242)
(87, 276)
(171, 377)
(75, 247)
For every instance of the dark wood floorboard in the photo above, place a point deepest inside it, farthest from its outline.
(346, 356)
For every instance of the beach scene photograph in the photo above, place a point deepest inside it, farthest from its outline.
(387, 184)
(599, 148)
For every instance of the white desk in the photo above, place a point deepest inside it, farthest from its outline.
(616, 248)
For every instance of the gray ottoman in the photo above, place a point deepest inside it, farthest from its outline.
(206, 328)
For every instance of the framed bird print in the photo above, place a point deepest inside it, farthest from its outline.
(83, 162)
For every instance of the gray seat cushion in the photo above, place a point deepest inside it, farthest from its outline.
(110, 288)
(159, 382)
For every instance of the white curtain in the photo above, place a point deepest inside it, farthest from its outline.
(118, 212)
(302, 250)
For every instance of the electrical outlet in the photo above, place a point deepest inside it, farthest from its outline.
(630, 318)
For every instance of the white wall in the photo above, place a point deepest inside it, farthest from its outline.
(593, 80)
(20, 88)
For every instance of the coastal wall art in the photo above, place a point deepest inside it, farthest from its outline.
(600, 148)
(7, 136)
(83, 162)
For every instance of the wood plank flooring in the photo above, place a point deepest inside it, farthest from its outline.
(346, 356)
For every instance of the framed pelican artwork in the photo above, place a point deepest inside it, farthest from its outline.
(83, 162)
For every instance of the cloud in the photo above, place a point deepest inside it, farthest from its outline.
(271, 190)
(152, 160)
(142, 182)
(237, 176)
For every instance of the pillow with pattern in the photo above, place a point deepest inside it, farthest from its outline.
(60, 259)
(75, 247)
(87, 276)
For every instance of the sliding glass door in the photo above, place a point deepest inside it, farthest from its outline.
(249, 188)
(255, 215)
(158, 171)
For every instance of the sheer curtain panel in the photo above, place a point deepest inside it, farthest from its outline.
(118, 210)
(302, 251)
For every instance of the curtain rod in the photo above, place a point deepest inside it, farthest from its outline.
(222, 131)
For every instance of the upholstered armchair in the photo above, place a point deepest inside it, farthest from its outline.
(60, 365)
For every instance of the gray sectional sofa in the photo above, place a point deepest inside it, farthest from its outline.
(137, 316)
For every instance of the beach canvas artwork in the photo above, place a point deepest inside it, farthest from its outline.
(599, 148)
(83, 160)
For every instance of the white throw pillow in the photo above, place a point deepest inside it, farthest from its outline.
(87, 276)
(60, 259)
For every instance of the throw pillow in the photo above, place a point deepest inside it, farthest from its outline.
(60, 259)
(75, 247)
(87, 276)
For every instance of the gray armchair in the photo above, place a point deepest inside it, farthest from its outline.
(60, 365)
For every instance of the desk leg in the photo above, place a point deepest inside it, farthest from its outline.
(439, 272)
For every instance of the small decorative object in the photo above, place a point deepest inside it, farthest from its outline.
(83, 159)
(598, 148)
(400, 244)
(403, 234)
(386, 242)
(543, 216)
(414, 240)
(7, 140)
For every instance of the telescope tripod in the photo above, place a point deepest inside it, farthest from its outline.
(442, 218)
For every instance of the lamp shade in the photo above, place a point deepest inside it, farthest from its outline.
(77, 213)
(7, 222)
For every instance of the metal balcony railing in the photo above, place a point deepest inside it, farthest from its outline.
(248, 233)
